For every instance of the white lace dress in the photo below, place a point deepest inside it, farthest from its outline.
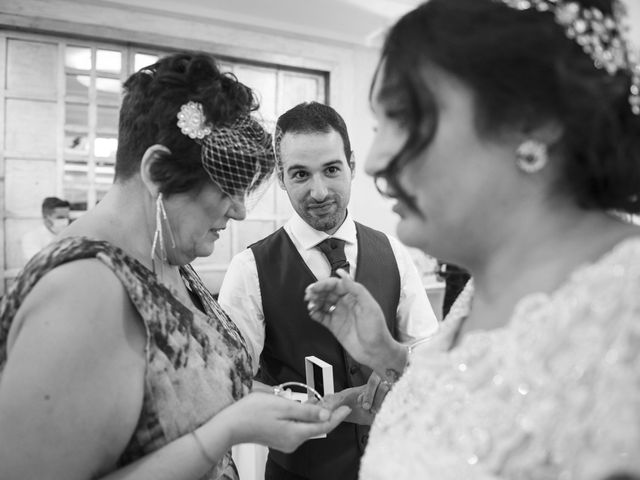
(555, 394)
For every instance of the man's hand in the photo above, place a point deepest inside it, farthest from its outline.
(349, 397)
(370, 399)
(364, 401)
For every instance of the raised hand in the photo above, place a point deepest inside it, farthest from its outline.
(349, 311)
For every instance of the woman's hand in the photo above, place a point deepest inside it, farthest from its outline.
(279, 423)
(349, 311)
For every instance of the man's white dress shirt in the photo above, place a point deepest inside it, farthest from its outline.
(240, 292)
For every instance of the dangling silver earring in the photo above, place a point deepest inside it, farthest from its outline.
(532, 156)
(158, 247)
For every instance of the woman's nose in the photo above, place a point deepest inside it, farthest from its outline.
(376, 161)
(237, 210)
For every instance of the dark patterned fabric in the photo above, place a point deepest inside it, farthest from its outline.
(197, 363)
(333, 249)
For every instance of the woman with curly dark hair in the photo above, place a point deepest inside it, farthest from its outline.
(115, 360)
(509, 136)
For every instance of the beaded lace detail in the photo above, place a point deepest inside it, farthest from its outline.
(554, 394)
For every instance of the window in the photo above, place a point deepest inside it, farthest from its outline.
(62, 97)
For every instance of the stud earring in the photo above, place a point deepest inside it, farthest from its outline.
(532, 156)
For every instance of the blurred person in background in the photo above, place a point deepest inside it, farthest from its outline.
(55, 218)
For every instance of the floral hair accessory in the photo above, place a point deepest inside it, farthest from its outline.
(192, 122)
(602, 37)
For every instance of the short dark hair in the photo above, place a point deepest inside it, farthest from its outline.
(49, 204)
(148, 116)
(523, 69)
(311, 117)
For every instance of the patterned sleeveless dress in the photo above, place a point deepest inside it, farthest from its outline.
(197, 362)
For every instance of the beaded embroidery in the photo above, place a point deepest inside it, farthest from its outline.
(554, 394)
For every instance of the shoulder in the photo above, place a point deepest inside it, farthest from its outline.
(242, 260)
(269, 240)
(363, 227)
(88, 276)
(400, 251)
(397, 245)
(80, 297)
(240, 279)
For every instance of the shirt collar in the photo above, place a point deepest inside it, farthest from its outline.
(309, 237)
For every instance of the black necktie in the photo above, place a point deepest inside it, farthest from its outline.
(333, 249)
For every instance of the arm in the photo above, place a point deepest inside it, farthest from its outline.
(415, 316)
(76, 367)
(415, 320)
(259, 418)
(75, 358)
(240, 297)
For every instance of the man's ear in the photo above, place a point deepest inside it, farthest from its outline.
(151, 155)
(352, 164)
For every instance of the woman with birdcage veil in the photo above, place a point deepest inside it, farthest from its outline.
(115, 360)
(508, 134)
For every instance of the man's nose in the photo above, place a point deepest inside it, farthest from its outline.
(319, 190)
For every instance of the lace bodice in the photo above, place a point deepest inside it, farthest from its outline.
(555, 394)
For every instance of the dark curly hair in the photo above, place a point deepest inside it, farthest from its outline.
(153, 97)
(524, 70)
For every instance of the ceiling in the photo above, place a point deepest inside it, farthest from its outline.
(359, 22)
(353, 21)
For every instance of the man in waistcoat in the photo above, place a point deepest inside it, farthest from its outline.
(263, 290)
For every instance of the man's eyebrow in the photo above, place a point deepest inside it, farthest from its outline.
(295, 166)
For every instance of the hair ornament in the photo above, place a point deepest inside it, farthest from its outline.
(602, 37)
(239, 156)
(192, 122)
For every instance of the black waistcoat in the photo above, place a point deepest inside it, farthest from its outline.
(291, 335)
